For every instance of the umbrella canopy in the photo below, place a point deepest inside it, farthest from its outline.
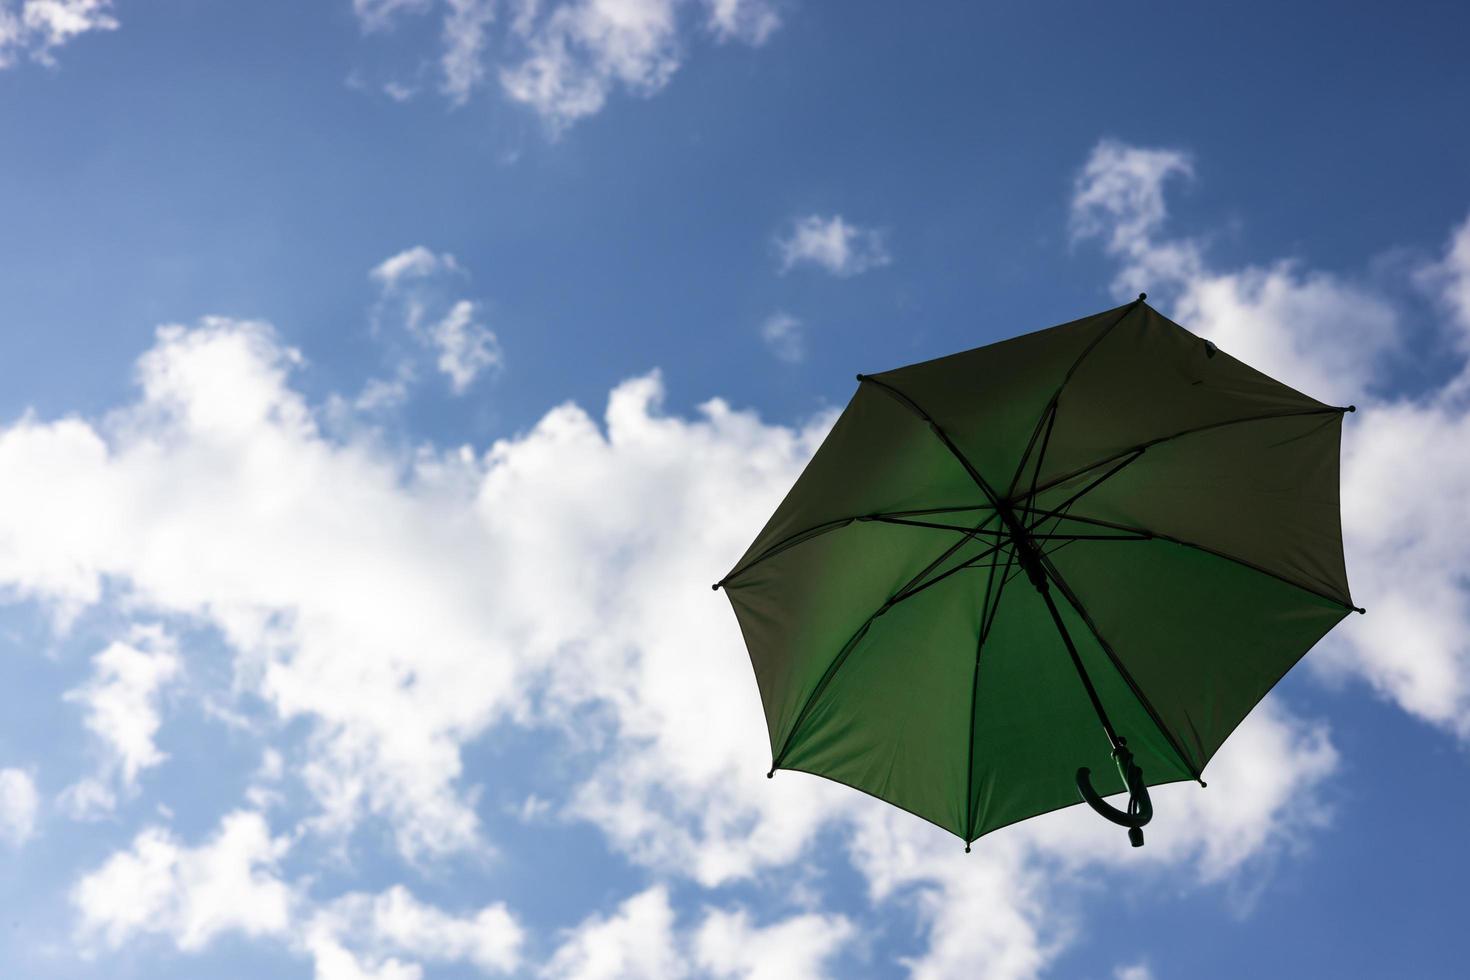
(1092, 547)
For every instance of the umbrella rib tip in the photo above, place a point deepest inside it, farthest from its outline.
(772, 773)
(862, 377)
(1360, 610)
(715, 587)
(1142, 297)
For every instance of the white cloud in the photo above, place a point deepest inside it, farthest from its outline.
(378, 15)
(783, 334)
(232, 884)
(121, 708)
(1336, 338)
(416, 286)
(381, 928)
(636, 941)
(1451, 278)
(19, 805)
(466, 347)
(728, 945)
(465, 25)
(39, 27)
(363, 610)
(564, 58)
(643, 939)
(832, 244)
(1133, 971)
(191, 895)
(417, 262)
(751, 21)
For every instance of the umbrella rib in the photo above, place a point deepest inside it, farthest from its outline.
(987, 619)
(1051, 406)
(1059, 480)
(1076, 604)
(1061, 508)
(836, 524)
(943, 436)
(1243, 562)
(1040, 537)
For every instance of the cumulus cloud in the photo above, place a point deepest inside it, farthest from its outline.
(784, 337)
(831, 244)
(232, 883)
(120, 702)
(636, 941)
(19, 805)
(643, 939)
(1334, 337)
(369, 933)
(191, 895)
(416, 287)
(363, 610)
(727, 944)
(36, 29)
(564, 59)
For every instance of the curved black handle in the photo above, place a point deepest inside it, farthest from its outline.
(1140, 808)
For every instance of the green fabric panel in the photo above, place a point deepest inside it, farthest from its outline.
(1034, 724)
(879, 457)
(1203, 637)
(988, 399)
(894, 719)
(797, 609)
(1150, 378)
(1264, 492)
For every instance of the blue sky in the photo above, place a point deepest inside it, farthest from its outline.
(384, 381)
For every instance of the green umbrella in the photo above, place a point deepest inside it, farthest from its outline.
(997, 558)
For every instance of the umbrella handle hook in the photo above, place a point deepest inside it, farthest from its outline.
(1140, 808)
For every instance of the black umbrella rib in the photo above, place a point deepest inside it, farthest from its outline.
(943, 436)
(1107, 648)
(987, 619)
(1061, 508)
(1065, 477)
(790, 541)
(1001, 534)
(836, 524)
(1051, 406)
(1243, 562)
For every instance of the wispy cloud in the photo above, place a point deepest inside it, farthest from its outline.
(121, 709)
(564, 58)
(39, 28)
(785, 336)
(831, 244)
(417, 288)
(19, 806)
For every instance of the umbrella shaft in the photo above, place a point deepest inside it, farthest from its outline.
(1029, 556)
(1102, 715)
